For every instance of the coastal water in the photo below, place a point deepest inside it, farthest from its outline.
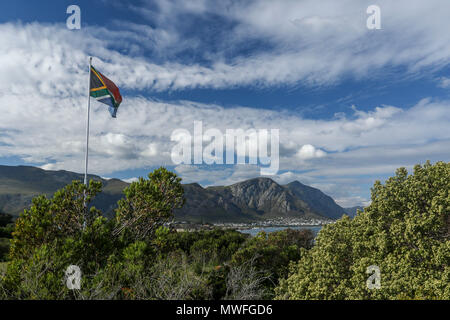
(254, 231)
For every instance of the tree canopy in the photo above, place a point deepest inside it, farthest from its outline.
(404, 231)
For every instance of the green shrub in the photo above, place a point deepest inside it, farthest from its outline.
(5, 219)
(148, 204)
(6, 226)
(130, 257)
(405, 232)
(57, 218)
(271, 253)
(4, 249)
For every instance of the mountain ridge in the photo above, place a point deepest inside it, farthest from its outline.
(254, 199)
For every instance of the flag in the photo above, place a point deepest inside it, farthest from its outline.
(105, 91)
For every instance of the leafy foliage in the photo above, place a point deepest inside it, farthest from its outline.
(133, 256)
(272, 253)
(50, 219)
(6, 225)
(149, 203)
(4, 248)
(5, 219)
(58, 232)
(405, 232)
(6, 229)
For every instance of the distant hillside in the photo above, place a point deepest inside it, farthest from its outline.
(351, 212)
(250, 200)
(19, 184)
(259, 198)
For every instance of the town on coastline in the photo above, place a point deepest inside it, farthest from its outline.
(279, 222)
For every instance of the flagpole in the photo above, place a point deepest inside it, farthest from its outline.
(87, 125)
(87, 145)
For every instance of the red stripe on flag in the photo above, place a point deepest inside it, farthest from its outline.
(112, 88)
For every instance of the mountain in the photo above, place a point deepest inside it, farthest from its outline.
(19, 184)
(351, 212)
(316, 200)
(250, 200)
(244, 201)
(258, 198)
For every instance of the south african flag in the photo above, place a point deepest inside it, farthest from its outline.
(105, 91)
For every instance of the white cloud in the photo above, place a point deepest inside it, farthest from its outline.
(310, 42)
(43, 71)
(51, 131)
(308, 151)
(224, 175)
(444, 82)
(131, 180)
(354, 201)
(306, 43)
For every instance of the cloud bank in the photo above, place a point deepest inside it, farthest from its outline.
(43, 86)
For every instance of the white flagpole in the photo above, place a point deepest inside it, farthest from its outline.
(87, 144)
(87, 125)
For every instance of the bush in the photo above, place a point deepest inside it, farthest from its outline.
(4, 249)
(135, 255)
(271, 253)
(58, 232)
(6, 226)
(53, 219)
(148, 204)
(5, 219)
(6, 232)
(41, 273)
(207, 254)
(405, 232)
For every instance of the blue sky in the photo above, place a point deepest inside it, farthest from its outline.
(351, 104)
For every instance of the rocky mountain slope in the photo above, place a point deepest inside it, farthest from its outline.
(250, 200)
(259, 198)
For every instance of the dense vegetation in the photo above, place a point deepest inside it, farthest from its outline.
(6, 229)
(137, 255)
(405, 232)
